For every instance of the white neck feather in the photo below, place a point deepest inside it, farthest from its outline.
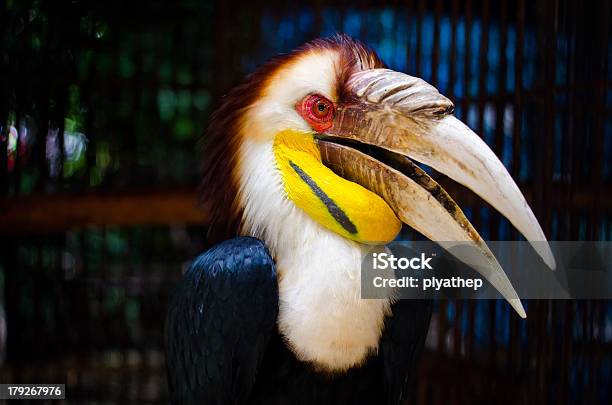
(321, 313)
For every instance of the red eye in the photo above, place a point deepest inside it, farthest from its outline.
(318, 111)
(321, 109)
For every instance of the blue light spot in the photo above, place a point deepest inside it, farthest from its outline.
(352, 23)
(511, 58)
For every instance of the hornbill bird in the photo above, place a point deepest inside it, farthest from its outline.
(309, 163)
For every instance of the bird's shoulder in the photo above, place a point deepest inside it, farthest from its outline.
(239, 256)
(219, 321)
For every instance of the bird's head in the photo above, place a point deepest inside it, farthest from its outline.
(329, 132)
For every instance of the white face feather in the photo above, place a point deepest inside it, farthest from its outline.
(314, 72)
(321, 314)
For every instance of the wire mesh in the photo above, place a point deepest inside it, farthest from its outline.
(111, 97)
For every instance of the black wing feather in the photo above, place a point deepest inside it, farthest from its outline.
(221, 317)
(401, 347)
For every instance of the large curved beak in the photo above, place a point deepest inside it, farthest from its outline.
(390, 117)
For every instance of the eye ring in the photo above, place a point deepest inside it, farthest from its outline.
(319, 108)
(318, 111)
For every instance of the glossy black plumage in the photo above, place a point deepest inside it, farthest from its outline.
(223, 346)
(220, 320)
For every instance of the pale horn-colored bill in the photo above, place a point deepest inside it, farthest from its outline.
(421, 203)
(406, 115)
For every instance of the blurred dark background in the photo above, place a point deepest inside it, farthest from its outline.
(101, 108)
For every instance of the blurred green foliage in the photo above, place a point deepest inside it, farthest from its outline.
(137, 84)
